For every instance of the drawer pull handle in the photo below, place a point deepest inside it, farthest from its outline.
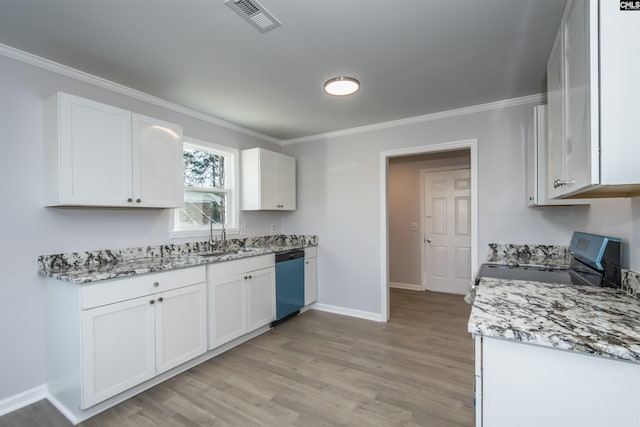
(156, 284)
(138, 200)
(129, 200)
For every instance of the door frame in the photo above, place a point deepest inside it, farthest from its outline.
(472, 145)
(423, 227)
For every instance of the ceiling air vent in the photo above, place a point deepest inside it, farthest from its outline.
(254, 13)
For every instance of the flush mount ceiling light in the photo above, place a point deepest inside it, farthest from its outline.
(341, 86)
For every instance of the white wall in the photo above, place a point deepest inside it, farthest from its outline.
(27, 229)
(404, 208)
(339, 199)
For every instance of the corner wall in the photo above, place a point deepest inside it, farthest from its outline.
(339, 199)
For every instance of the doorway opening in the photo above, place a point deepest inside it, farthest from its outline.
(428, 218)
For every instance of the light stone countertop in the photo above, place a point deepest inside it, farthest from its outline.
(88, 267)
(597, 321)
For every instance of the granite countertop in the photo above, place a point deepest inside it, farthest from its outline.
(87, 267)
(597, 321)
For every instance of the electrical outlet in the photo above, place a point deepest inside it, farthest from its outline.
(413, 226)
(273, 228)
(243, 230)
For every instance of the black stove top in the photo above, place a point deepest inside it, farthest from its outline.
(536, 274)
(595, 261)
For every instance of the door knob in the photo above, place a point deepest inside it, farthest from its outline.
(428, 240)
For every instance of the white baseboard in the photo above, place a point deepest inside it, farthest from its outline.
(23, 399)
(409, 286)
(367, 315)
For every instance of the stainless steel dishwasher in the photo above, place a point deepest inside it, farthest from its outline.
(289, 284)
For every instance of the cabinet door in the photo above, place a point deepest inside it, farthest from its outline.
(581, 110)
(181, 326)
(555, 119)
(227, 310)
(95, 153)
(118, 348)
(158, 166)
(310, 280)
(269, 180)
(261, 297)
(287, 182)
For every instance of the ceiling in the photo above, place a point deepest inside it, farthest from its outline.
(413, 57)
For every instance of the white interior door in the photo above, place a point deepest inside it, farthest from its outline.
(447, 226)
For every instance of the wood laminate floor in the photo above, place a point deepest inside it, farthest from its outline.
(318, 369)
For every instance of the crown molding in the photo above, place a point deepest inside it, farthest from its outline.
(529, 99)
(64, 70)
(45, 64)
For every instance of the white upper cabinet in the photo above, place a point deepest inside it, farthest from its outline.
(158, 167)
(268, 180)
(99, 155)
(536, 165)
(593, 101)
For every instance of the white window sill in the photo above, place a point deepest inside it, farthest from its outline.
(182, 234)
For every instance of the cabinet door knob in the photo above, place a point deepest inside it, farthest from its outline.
(559, 183)
(246, 277)
(250, 277)
(160, 299)
(138, 200)
(129, 200)
(156, 284)
(152, 302)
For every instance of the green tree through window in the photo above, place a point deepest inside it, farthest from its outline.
(206, 179)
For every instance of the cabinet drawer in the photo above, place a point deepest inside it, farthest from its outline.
(116, 290)
(240, 266)
(311, 252)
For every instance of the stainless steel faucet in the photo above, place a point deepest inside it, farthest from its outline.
(223, 234)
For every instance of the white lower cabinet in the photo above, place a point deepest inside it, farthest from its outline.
(127, 343)
(108, 337)
(241, 297)
(261, 298)
(118, 348)
(310, 276)
(524, 385)
(227, 310)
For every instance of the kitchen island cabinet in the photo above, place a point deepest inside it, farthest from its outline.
(99, 155)
(551, 354)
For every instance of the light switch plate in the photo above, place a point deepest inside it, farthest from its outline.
(413, 226)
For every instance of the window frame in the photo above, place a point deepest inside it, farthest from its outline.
(232, 181)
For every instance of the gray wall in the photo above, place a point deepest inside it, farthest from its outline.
(28, 229)
(339, 199)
